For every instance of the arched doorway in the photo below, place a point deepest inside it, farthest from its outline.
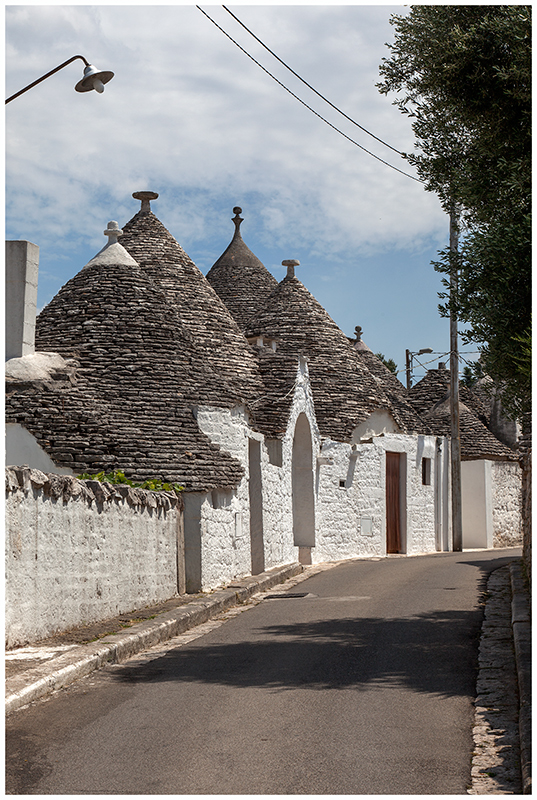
(302, 487)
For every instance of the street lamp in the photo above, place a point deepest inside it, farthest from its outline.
(409, 357)
(92, 78)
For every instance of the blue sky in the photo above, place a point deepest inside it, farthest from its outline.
(189, 116)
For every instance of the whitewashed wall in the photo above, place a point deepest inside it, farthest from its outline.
(224, 521)
(350, 520)
(351, 497)
(491, 503)
(225, 516)
(506, 503)
(72, 559)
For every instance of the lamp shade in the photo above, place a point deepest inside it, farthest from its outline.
(93, 79)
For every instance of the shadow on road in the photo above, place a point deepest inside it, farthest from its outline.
(434, 653)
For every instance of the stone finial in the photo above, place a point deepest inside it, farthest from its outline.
(237, 219)
(358, 332)
(291, 264)
(145, 197)
(112, 231)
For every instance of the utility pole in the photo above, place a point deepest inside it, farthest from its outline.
(456, 503)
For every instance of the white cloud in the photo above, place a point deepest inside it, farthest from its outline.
(187, 108)
(191, 117)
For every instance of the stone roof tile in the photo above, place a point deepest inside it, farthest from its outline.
(394, 390)
(240, 279)
(128, 404)
(345, 393)
(477, 442)
(434, 387)
(216, 334)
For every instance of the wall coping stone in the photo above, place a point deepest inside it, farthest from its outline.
(24, 479)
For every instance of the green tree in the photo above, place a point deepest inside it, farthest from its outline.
(471, 374)
(388, 362)
(463, 75)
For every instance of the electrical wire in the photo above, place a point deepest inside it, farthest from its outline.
(310, 86)
(418, 180)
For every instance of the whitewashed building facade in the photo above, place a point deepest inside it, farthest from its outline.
(292, 443)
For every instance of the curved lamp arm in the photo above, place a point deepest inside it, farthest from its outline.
(93, 79)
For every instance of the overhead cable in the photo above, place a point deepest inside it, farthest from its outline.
(310, 86)
(305, 104)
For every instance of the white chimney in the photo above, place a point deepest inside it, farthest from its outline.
(22, 264)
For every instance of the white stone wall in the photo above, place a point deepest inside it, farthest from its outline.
(350, 520)
(506, 503)
(225, 521)
(351, 497)
(71, 560)
(491, 503)
(283, 517)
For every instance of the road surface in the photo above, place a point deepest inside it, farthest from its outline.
(363, 686)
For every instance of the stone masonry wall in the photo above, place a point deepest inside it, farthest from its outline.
(507, 504)
(81, 551)
(351, 496)
(225, 516)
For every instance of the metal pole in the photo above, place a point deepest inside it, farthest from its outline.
(42, 78)
(456, 504)
(408, 370)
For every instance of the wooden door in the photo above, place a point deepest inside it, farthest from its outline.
(255, 493)
(393, 503)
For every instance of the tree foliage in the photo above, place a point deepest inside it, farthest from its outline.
(388, 362)
(463, 75)
(471, 374)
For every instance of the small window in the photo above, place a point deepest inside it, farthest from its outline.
(426, 471)
(342, 483)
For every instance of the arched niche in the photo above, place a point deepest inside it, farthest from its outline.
(302, 484)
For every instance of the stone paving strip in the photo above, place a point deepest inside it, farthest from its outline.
(496, 767)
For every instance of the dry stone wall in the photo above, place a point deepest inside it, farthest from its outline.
(506, 504)
(79, 551)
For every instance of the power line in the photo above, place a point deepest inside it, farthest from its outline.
(305, 104)
(310, 86)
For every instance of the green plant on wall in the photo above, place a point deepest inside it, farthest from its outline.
(118, 477)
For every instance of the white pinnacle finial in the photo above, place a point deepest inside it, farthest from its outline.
(112, 231)
(291, 263)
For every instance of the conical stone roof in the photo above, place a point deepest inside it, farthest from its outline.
(435, 387)
(216, 334)
(128, 404)
(240, 279)
(344, 391)
(392, 386)
(430, 397)
(477, 442)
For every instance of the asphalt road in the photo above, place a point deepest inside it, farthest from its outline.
(364, 686)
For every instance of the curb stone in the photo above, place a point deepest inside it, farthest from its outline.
(501, 762)
(68, 667)
(521, 624)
